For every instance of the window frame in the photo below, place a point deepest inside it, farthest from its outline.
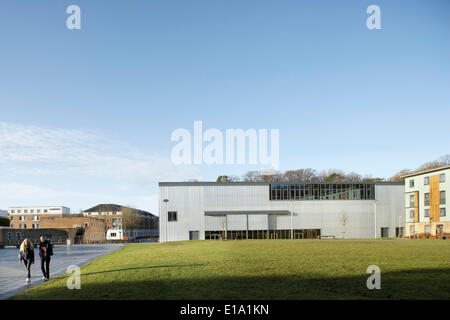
(172, 216)
(442, 200)
(426, 201)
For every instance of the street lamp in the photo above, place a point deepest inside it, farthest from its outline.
(167, 216)
(375, 217)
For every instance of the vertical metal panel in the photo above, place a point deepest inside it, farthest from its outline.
(191, 202)
(258, 222)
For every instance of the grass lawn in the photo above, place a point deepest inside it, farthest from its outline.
(262, 269)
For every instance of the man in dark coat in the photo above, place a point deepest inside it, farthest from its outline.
(45, 252)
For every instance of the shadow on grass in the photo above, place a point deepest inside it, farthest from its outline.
(139, 268)
(409, 284)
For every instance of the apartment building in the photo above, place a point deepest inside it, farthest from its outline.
(426, 208)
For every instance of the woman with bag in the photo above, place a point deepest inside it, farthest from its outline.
(26, 254)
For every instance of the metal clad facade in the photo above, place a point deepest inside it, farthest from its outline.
(191, 200)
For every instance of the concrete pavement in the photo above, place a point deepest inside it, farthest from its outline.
(12, 273)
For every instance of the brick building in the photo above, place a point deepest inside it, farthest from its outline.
(78, 227)
(14, 237)
(99, 223)
(145, 224)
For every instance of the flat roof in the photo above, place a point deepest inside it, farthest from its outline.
(240, 183)
(39, 207)
(426, 171)
(241, 212)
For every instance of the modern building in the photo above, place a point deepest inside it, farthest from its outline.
(143, 224)
(3, 213)
(426, 208)
(259, 210)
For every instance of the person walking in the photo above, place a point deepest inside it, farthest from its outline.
(45, 252)
(26, 255)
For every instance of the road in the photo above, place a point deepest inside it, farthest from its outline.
(13, 273)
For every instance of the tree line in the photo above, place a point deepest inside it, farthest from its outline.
(331, 175)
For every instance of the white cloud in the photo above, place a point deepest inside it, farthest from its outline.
(19, 194)
(34, 150)
(33, 192)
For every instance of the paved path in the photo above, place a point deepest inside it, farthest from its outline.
(12, 273)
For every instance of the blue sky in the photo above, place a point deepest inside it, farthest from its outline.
(87, 115)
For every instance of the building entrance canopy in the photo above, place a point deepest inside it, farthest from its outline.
(246, 212)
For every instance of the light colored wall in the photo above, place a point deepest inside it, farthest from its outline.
(50, 210)
(419, 228)
(192, 201)
(422, 189)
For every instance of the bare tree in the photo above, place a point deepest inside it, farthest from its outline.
(353, 177)
(332, 175)
(224, 227)
(430, 165)
(399, 176)
(233, 178)
(371, 179)
(300, 175)
(251, 176)
(442, 161)
(344, 221)
(272, 177)
(130, 220)
(445, 160)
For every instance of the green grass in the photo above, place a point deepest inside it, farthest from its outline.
(262, 269)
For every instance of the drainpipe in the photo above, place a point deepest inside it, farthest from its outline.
(375, 218)
(292, 213)
(166, 201)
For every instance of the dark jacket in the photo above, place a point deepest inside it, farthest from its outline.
(28, 255)
(45, 249)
